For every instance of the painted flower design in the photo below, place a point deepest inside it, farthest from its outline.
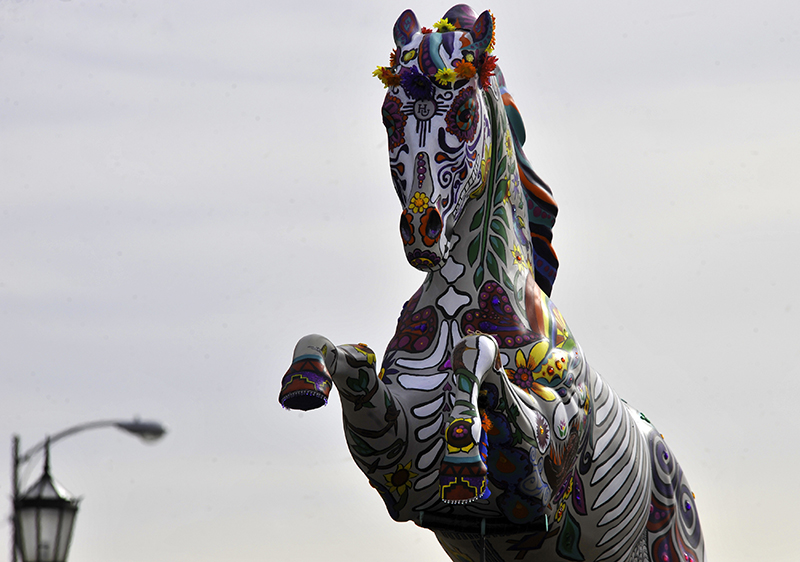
(525, 375)
(416, 85)
(419, 202)
(459, 436)
(462, 117)
(520, 259)
(395, 121)
(541, 431)
(400, 480)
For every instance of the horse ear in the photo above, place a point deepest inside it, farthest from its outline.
(483, 31)
(461, 16)
(404, 28)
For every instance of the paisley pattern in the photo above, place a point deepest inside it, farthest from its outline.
(485, 423)
(415, 329)
(496, 316)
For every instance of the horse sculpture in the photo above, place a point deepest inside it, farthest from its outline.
(484, 422)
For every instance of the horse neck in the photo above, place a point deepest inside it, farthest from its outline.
(484, 240)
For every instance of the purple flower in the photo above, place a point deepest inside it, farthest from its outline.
(416, 85)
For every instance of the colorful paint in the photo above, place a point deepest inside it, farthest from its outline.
(484, 422)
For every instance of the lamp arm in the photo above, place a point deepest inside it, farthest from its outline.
(25, 457)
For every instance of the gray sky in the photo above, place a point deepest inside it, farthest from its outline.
(186, 188)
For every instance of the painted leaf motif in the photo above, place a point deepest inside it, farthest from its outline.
(500, 191)
(476, 220)
(360, 446)
(491, 263)
(497, 245)
(354, 385)
(477, 279)
(507, 281)
(500, 229)
(473, 250)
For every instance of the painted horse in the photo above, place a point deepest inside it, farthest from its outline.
(484, 422)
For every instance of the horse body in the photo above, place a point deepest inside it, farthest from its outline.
(485, 423)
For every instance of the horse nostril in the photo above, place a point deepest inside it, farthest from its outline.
(433, 226)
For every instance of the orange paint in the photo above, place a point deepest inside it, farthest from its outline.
(519, 511)
(504, 465)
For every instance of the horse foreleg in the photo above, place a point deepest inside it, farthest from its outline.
(371, 415)
(307, 383)
(462, 477)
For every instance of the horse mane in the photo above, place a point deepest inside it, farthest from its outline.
(542, 208)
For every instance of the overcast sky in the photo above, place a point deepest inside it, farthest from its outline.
(188, 187)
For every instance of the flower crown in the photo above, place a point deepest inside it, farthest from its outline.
(419, 86)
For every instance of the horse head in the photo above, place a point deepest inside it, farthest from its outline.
(438, 125)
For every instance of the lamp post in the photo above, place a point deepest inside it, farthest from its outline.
(44, 514)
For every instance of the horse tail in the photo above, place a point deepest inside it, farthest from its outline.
(542, 208)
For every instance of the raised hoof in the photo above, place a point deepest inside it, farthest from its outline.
(463, 482)
(305, 386)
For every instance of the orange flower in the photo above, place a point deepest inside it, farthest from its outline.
(465, 69)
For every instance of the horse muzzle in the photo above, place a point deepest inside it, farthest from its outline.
(422, 234)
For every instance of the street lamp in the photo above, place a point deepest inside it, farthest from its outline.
(44, 515)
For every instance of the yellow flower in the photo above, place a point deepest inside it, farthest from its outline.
(520, 259)
(400, 480)
(525, 375)
(419, 202)
(445, 76)
(443, 25)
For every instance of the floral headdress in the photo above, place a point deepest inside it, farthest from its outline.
(417, 85)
